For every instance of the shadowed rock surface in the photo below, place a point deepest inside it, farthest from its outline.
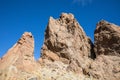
(107, 39)
(67, 53)
(107, 49)
(66, 41)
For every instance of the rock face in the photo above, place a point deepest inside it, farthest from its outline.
(66, 41)
(18, 59)
(107, 48)
(67, 53)
(107, 39)
(105, 68)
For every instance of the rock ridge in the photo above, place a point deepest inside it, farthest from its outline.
(67, 53)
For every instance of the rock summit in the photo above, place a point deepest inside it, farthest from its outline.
(67, 53)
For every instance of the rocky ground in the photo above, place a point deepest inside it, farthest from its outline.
(67, 53)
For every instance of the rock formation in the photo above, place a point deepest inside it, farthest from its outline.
(19, 59)
(107, 39)
(66, 41)
(107, 48)
(67, 53)
(105, 67)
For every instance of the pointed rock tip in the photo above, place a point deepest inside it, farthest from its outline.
(26, 37)
(66, 15)
(27, 34)
(51, 19)
(106, 23)
(103, 22)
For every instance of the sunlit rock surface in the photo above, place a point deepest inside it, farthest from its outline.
(67, 53)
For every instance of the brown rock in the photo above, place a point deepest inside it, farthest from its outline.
(107, 39)
(66, 41)
(51, 55)
(67, 54)
(106, 68)
(107, 48)
(21, 54)
(19, 58)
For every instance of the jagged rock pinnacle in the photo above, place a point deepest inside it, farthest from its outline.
(67, 53)
(19, 58)
(66, 41)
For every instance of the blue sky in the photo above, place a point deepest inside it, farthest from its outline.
(18, 16)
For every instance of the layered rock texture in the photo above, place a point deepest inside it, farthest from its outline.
(67, 53)
(66, 41)
(19, 60)
(107, 39)
(107, 49)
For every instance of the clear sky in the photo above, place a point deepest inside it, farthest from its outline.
(18, 16)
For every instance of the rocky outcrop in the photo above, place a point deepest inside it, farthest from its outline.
(107, 48)
(66, 41)
(19, 59)
(107, 39)
(67, 53)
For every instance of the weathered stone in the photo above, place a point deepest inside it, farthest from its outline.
(105, 68)
(107, 48)
(65, 38)
(67, 54)
(107, 39)
(19, 58)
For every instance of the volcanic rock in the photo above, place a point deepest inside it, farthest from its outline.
(107, 48)
(66, 41)
(67, 53)
(105, 68)
(19, 59)
(107, 39)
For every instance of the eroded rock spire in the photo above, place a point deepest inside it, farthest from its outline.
(67, 53)
(19, 60)
(66, 41)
